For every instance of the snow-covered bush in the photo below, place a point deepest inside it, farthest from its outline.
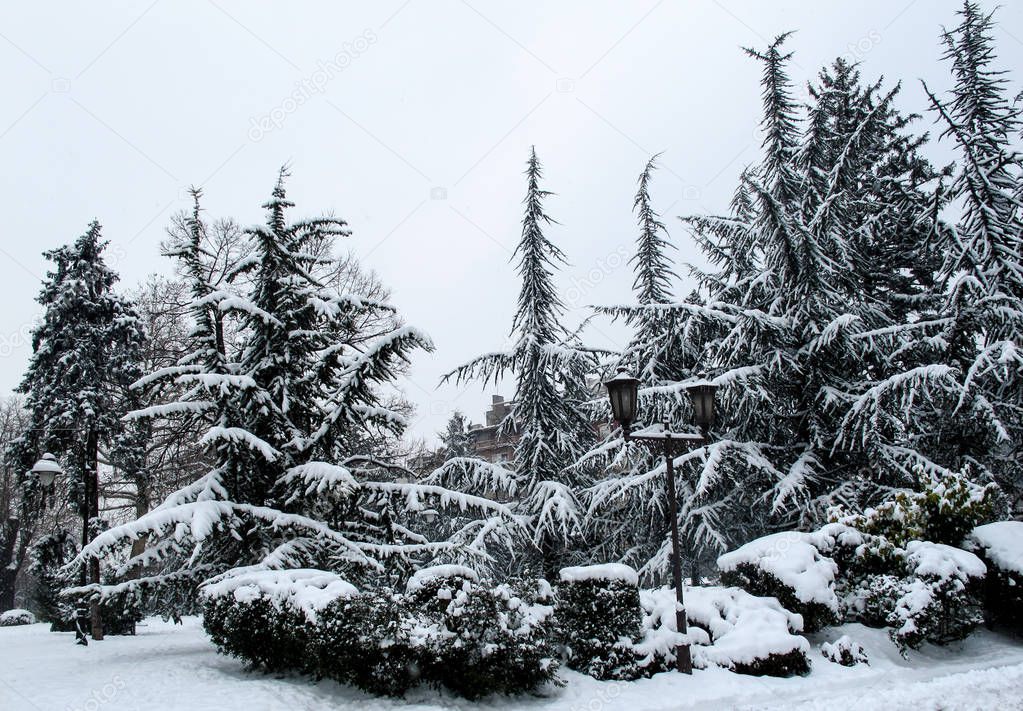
(935, 600)
(598, 619)
(16, 617)
(944, 510)
(266, 617)
(366, 640)
(1000, 546)
(845, 651)
(447, 630)
(787, 566)
(486, 640)
(924, 591)
(728, 628)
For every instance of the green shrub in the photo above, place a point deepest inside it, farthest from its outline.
(447, 631)
(267, 636)
(1000, 546)
(760, 583)
(943, 510)
(598, 620)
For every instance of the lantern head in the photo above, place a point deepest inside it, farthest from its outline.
(701, 393)
(623, 393)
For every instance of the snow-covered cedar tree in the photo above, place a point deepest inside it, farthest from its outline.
(816, 319)
(288, 416)
(85, 352)
(942, 509)
(1000, 546)
(728, 628)
(660, 354)
(598, 617)
(549, 412)
(845, 651)
(982, 334)
(17, 617)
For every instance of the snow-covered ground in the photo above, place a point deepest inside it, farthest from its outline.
(176, 667)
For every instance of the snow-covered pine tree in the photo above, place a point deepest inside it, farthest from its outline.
(661, 354)
(807, 322)
(455, 437)
(984, 269)
(84, 353)
(547, 414)
(286, 489)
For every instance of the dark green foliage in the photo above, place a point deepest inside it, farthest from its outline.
(449, 633)
(49, 554)
(597, 622)
(1002, 595)
(942, 510)
(755, 581)
(789, 664)
(268, 637)
(363, 641)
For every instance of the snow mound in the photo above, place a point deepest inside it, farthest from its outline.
(794, 559)
(729, 628)
(304, 589)
(421, 577)
(942, 562)
(606, 571)
(1001, 543)
(16, 617)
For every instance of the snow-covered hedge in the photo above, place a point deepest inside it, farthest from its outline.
(267, 617)
(1000, 546)
(16, 617)
(728, 628)
(447, 630)
(598, 619)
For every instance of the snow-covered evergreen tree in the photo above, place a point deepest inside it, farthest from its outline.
(85, 351)
(550, 367)
(984, 269)
(455, 437)
(817, 322)
(283, 420)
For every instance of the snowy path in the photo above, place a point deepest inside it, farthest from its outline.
(171, 668)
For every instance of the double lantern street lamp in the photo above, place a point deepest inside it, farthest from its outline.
(623, 392)
(46, 469)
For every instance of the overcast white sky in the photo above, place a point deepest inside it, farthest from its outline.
(412, 120)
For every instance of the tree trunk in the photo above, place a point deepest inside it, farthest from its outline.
(90, 521)
(140, 543)
(10, 562)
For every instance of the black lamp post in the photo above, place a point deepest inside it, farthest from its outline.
(623, 392)
(47, 469)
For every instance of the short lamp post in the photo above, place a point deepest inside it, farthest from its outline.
(623, 393)
(47, 469)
